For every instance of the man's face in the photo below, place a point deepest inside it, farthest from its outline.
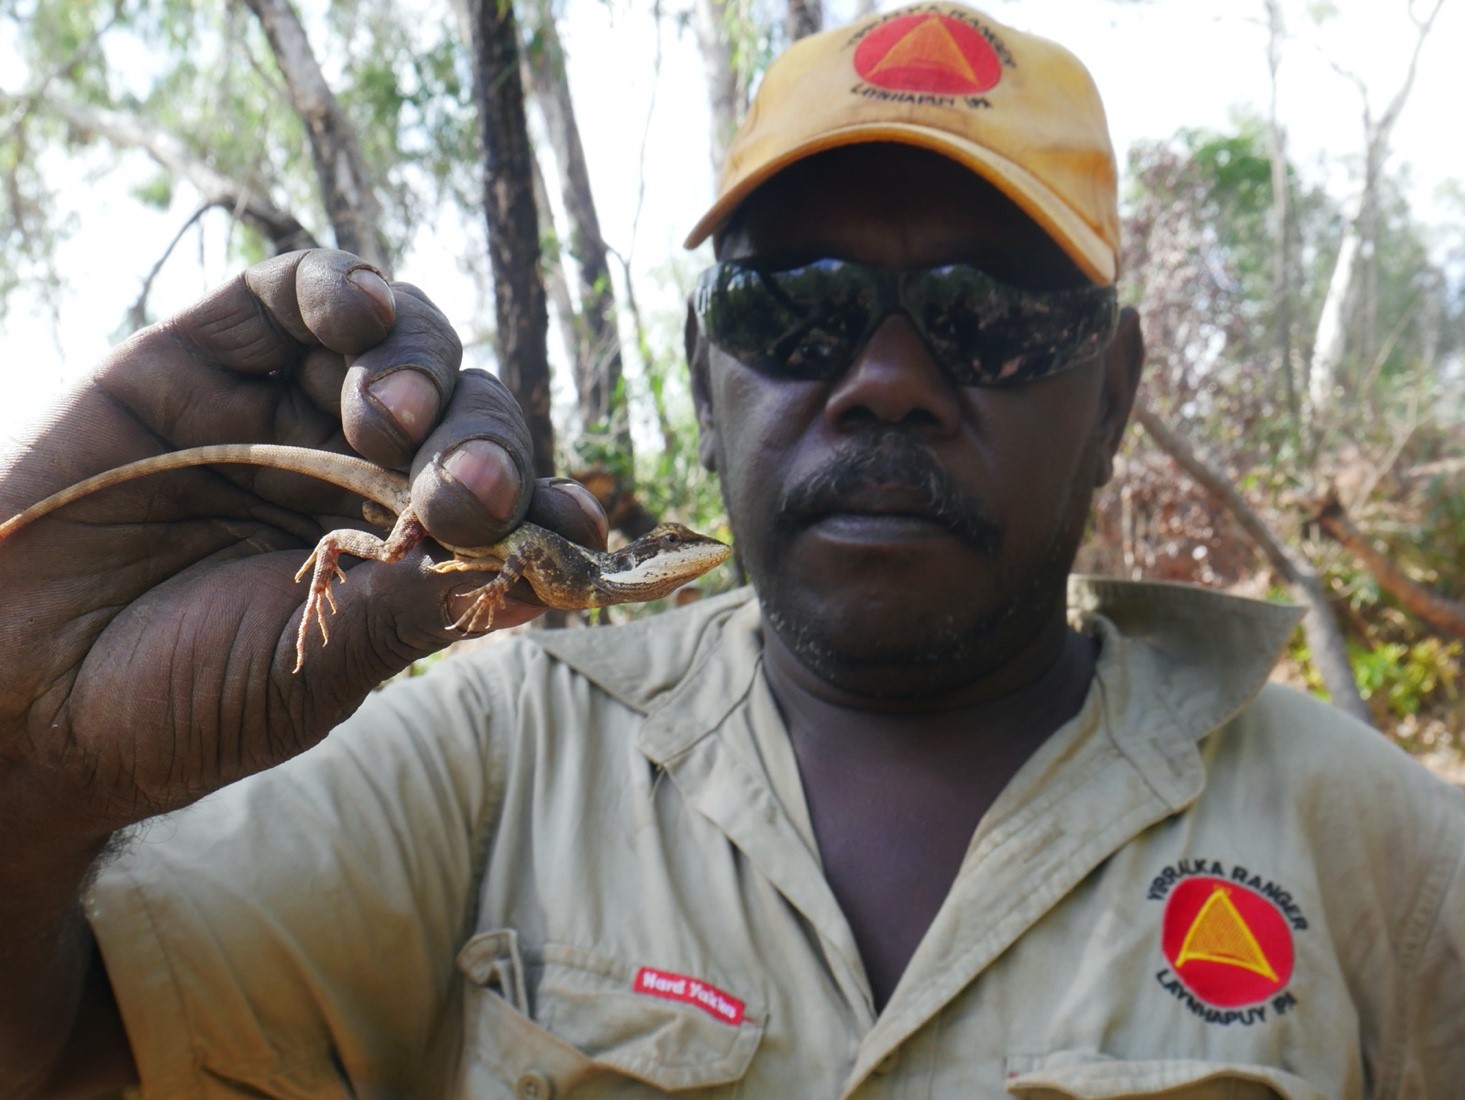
(906, 534)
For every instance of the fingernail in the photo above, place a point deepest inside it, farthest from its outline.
(587, 503)
(486, 470)
(410, 398)
(376, 290)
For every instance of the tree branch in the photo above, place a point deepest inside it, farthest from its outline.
(137, 313)
(1324, 639)
(1444, 615)
(278, 226)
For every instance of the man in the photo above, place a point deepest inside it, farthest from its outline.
(903, 825)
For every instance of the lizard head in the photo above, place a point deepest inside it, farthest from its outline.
(659, 562)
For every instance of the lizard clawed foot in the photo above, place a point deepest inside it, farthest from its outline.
(487, 600)
(326, 560)
(478, 619)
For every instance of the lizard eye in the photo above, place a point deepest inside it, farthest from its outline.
(671, 538)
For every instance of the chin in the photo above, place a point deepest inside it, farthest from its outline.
(896, 648)
(905, 653)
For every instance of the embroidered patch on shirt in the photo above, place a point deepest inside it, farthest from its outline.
(1228, 936)
(679, 987)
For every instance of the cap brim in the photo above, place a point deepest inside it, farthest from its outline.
(1094, 257)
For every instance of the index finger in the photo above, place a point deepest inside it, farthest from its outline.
(268, 316)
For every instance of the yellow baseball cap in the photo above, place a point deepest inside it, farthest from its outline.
(1020, 111)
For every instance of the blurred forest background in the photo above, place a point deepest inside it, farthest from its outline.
(1302, 434)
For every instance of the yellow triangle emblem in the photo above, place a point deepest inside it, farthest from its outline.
(1219, 934)
(928, 43)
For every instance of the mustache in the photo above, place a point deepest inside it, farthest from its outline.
(889, 460)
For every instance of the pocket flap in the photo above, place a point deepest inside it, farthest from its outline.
(1084, 1076)
(673, 1037)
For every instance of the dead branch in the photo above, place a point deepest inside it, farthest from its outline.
(1324, 639)
(1439, 613)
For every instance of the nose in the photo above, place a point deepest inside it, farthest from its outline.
(895, 380)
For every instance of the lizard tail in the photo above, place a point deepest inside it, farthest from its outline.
(385, 487)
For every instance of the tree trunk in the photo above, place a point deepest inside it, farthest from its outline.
(805, 17)
(724, 94)
(1331, 337)
(556, 283)
(597, 352)
(1351, 279)
(1324, 639)
(513, 223)
(346, 189)
(1281, 224)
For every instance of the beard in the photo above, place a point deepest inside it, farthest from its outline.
(936, 648)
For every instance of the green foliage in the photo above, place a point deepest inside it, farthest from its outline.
(1406, 676)
(157, 192)
(1200, 254)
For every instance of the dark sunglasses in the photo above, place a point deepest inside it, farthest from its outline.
(810, 322)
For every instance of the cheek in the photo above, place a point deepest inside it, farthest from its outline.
(759, 426)
(1040, 443)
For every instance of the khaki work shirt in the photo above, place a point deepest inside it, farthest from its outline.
(579, 864)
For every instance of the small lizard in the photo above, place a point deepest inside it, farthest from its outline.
(563, 574)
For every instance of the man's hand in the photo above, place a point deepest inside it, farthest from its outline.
(149, 630)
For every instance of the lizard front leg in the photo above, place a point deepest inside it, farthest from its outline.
(405, 534)
(490, 597)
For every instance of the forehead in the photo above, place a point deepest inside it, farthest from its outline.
(894, 206)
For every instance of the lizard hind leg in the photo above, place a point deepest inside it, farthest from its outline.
(325, 560)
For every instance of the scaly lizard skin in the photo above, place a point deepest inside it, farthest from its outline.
(562, 574)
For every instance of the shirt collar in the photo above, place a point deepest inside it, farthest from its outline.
(1177, 661)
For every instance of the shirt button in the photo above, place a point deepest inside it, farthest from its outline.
(534, 1086)
(887, 1064)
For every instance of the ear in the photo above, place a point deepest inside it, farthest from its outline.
(699, 354)
(1124, 360)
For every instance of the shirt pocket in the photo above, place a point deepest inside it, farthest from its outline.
(576, 1022)
(1075, 1076)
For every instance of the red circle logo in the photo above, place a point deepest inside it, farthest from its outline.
(928, 53)
(1228, 944)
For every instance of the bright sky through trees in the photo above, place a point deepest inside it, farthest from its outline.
(1161, 64)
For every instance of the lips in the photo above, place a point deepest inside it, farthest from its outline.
(889, 501)
(886, 486)
(884, 513)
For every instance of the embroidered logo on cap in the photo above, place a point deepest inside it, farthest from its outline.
(929, 56)
(1229, 940)
(679, 987)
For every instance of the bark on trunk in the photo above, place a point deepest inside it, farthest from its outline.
(513, 222)
(350, 202)
(724, 93)
(1281, 222)
(805, 17)
(597, 352)
(1351, 278)
(1324, 639)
